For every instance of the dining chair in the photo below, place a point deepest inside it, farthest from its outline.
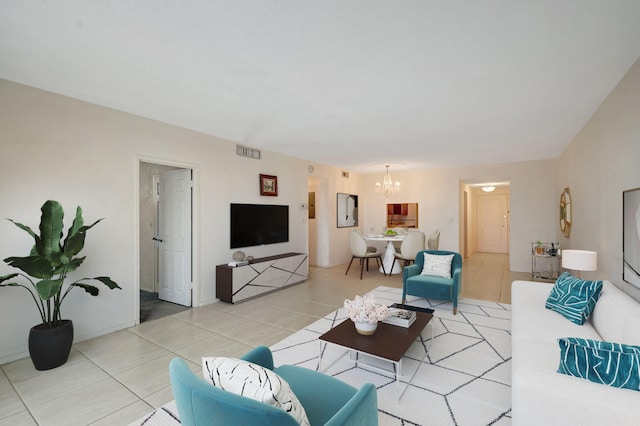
(434, 240)
(370, 249)
(401, 232)
(358, 247)
(411, 245)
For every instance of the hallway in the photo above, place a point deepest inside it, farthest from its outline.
(486, 276)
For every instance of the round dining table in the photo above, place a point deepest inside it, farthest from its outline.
(389, 251)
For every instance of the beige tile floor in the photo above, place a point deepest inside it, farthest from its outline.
(118, 378)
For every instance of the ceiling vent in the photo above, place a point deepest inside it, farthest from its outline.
(244, 151)
(345, 174)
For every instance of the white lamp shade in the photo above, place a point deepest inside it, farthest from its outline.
(580, 260)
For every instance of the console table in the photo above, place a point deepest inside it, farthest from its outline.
(236, 283)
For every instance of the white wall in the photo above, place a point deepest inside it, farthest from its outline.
(54, 147)
(601, 162)
(332, 242)
(439, 195)
(82, 154)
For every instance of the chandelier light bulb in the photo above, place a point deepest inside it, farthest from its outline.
(387, 187)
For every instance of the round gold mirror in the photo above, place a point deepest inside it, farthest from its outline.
(565, 212)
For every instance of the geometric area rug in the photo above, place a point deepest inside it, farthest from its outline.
(464, 379)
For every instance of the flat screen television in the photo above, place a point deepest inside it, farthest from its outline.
(258, 224)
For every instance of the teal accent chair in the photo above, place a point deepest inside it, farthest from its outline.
(326, 400)
(430, 287)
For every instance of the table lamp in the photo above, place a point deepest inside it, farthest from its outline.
(580, 260)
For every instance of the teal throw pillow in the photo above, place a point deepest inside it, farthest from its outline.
(611, 364)
(574, 298)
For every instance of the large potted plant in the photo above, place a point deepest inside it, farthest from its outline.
(45, 270)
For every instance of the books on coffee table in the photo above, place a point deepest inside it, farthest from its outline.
(412, 308)
(400, 317)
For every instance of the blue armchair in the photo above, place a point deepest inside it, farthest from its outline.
(433, 287)
(326, 400)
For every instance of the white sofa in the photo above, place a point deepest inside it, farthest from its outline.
(540, 395)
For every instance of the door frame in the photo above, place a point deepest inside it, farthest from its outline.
(465, 226)
(195, 228)
(180, 291)
(507, 198)
(468, 228)
(322, 222)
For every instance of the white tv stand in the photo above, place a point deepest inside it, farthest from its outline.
(260, 276)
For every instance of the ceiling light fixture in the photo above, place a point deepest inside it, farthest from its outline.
(387, 188)
(488, 188)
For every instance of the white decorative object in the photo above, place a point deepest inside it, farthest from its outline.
(436, 265)
(253, 381)
(579, 260)
(238, 256)
(366, 328)
(400, 317)
(365, 310)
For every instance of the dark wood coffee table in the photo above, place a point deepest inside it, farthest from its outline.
(389, 343)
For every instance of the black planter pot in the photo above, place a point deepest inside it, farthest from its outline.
(49, 347)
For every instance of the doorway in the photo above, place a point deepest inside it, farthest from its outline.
(320, 224)
(165, 228)
(486, 219)
(493, 222)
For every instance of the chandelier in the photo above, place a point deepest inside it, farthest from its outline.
(387, 188)
(488, 188)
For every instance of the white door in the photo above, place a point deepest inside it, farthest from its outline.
(493, 223)
(174, 237)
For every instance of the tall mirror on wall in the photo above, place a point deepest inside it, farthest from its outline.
(404, 215)
(565, 212)
(347, 210)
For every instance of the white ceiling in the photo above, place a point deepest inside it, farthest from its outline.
(354, 84)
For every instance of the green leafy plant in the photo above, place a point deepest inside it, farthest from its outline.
(50, 260)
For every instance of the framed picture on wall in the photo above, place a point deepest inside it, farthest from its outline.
(268, 185)
(347, 208)
(631, 236)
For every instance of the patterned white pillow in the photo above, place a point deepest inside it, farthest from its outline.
(253, 381)
(437, 265)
